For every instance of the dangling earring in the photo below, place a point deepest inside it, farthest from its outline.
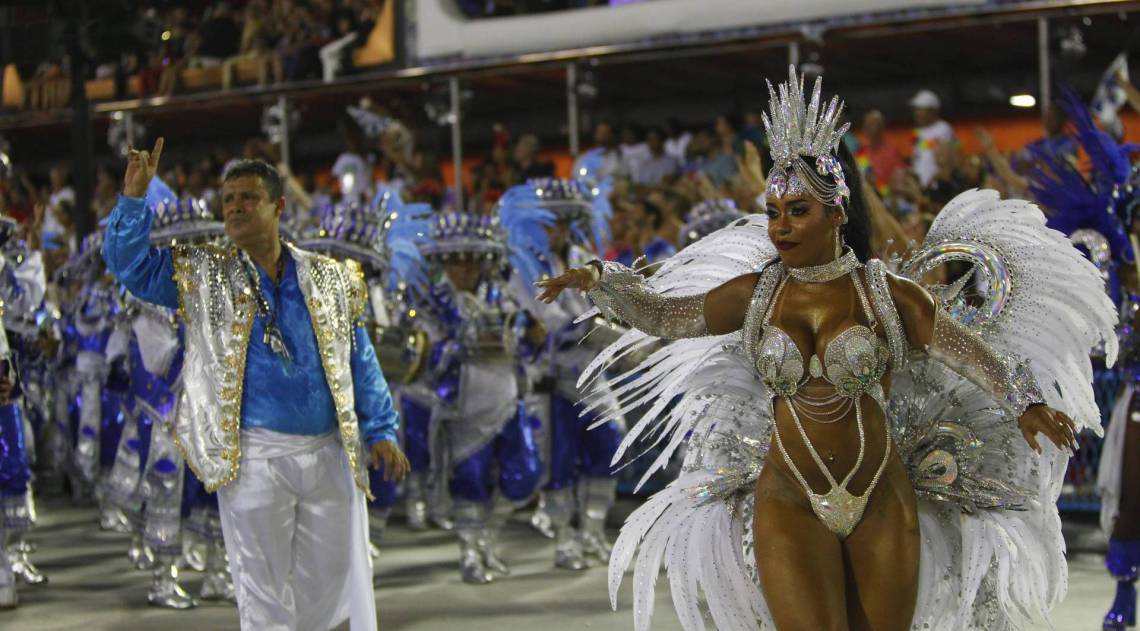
(838, 244)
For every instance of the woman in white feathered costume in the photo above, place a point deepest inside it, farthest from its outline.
(908, 484)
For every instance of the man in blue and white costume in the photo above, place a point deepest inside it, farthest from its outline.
(477, 373)
(22, 286)
(281, 393)
(383, 237)
(580, 481)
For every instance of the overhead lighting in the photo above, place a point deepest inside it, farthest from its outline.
(1023, 100)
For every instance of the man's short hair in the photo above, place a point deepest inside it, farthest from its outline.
(270, 178)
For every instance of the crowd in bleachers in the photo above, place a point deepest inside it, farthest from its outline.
(659, 173)
(172, 47)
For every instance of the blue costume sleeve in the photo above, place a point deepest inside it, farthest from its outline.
(147, 271)
(378, 419)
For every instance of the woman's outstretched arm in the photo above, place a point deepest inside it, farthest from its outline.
(623, 294)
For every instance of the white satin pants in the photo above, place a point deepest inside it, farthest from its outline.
(296, 534)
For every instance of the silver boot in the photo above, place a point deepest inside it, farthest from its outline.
(165, 590)
(21, 564)
(193, 554)
(595, 498)
(488, 542)
(470, 523)
(217, 583)
(377, 523)
(139, 554)
(567, 548)
(8, 598)
(113, 520)
(540, 519)
(415, 489)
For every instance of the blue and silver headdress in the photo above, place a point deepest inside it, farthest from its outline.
(525, 214)
(384, 236)
(1096, 211)
(460, 236)
(581, 203)
(796, 130)
(179, 220)
(708, 217)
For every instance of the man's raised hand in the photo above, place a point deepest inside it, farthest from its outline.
(141, 167)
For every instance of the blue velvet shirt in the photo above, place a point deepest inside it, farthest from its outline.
(290, 397)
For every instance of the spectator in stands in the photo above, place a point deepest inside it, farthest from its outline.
(257, 39)
(753, 129)
(673, 206)
(657, 167)
(877, 158)
(721, 167)
(930, 132)
(61, 194)
(612, 163)
(221, 37)
(633, 147)
(654, 247)
(343, 28)
(297, 45)
(527, 164)
(676, 139)
(622, 234)
(1056, 142)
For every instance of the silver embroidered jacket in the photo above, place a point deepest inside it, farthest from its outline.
(218, 305)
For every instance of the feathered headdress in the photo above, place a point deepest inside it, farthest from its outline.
(383, 235)
(584, 205)
(524, 218)
(796, 128)
(1095, 211)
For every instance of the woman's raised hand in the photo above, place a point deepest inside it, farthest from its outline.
(580, 278)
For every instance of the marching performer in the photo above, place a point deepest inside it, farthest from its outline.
(22, 285)
(480, 339)
(283, 404)
(580, 482)
(383, 237)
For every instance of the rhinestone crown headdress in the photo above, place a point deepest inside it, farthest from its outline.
(798, 128)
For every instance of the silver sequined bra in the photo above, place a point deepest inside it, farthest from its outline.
(855, 362)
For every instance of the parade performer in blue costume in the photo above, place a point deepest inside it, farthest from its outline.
(581, 482)
(1098, 212)
(384, 238)
(481, 340)
(283, 403)
(100, 423)
(163, 501)
(22, 285)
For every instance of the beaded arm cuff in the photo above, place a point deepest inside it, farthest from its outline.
(622, 294)
(1007, 379)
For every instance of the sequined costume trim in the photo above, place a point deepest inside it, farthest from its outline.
(622, 294)
(888, 314)
(1004, 377)
(217, 304)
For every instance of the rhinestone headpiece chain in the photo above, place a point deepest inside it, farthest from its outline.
(797, 128)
